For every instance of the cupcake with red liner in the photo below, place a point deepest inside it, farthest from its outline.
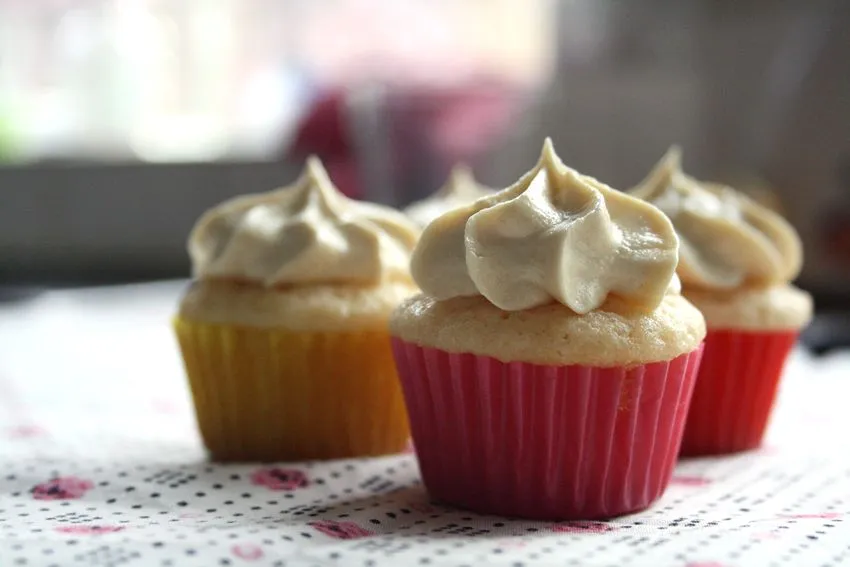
(460, 189)
(548, 365)
(736, 260)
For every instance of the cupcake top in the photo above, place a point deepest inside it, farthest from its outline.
(727, 241)
(460, 189)
(555, 235)
(305, 234)
(556, 269)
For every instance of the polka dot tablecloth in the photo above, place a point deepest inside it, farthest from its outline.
(102, 466)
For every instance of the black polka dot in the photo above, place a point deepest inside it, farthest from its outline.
(182, 503)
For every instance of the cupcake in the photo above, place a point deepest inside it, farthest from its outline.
(284, 330)
(460, 189)
(549, 361)
(736, 260)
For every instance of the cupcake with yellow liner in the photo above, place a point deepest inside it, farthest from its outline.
(548, 364)
(460, 189)
(284, 330)
(736, 260)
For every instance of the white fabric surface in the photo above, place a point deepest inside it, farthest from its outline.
(102, 465)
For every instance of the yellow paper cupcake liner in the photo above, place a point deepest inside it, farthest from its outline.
(275, 395)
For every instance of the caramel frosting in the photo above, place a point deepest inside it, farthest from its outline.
(554, 236)
(460, 189)
(727, 241)
(306, 233)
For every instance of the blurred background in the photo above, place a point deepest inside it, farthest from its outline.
(122, 120)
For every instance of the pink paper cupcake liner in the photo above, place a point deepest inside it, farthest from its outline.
(735, 391)
(544, 442)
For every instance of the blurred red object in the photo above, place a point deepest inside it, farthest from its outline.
(429, 129)
(323, 132)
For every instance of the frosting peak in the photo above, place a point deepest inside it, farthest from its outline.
(307, 232)
(727, 240)
(460, 189)
(555, 235)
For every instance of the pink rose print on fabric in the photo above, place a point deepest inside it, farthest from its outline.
(340, 530)
(88, 530)
(690, 480)
(511, 543)
(582, 527)
(165, 407)
(61, 488)
(26, 431)
(247, 551)
(279, 479)
(823, 516)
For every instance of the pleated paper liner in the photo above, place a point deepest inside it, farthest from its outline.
(273, 395)
(544, 442)
(735, 391)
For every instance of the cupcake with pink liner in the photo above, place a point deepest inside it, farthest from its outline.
(548, 365)
(736, 260)
(460, 189)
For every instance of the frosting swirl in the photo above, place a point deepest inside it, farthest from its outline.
(727, 240)
(307, 232)
(555, 235)
(460, 189)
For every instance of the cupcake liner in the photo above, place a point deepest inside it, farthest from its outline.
(273, 395)
(735, 391)
(544, 442)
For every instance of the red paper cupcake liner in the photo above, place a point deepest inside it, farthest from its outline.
(735, 391)
(544, 442)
